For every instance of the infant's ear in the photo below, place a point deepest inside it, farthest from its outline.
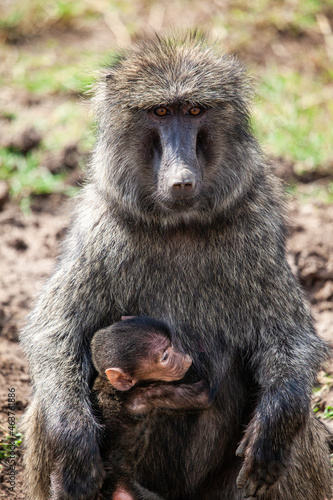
(119, 379)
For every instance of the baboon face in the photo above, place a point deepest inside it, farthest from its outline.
(164, 363)
(177, 153)
(174, 131)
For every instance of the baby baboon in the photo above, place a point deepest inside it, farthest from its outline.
(180, 220)
(125, 354)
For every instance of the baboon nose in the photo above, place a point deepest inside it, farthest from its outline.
(183, 187)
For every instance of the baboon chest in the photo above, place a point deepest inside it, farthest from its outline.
(178, 280)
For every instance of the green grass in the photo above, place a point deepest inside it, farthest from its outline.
(328, 412)
(293, 118)
(70, 121)
(26, 177)
(29, 17)
(8, 442)
(306, 193)
(294, 16)
(46, 73)
(42, 76)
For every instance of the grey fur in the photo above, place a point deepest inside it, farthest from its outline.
(215, 272)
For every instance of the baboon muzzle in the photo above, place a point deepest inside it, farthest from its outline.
(180, 175)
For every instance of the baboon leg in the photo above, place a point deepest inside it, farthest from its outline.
(36, 457)
(309, 476)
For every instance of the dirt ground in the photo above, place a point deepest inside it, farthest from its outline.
(29, 245)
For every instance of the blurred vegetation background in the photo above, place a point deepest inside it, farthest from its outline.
(50, 50)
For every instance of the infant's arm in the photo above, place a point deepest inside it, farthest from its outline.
(185, 397)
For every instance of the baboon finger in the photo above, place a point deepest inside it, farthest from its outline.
(240, 452)
(242, 477)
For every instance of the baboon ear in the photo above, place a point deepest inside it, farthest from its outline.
(119, 379)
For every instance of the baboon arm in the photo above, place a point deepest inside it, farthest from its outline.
(286, 372)
(72, 305)
(184, 397)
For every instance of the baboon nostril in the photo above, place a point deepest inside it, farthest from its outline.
(182, 189)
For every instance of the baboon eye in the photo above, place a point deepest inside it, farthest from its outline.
(195, 111)
(165, 356)
(161, 111)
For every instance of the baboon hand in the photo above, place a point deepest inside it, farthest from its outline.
(257, 475)
(81, 481)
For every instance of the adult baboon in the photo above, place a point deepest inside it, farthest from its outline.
(180, 220)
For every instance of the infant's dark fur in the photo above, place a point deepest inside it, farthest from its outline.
(125, 354)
